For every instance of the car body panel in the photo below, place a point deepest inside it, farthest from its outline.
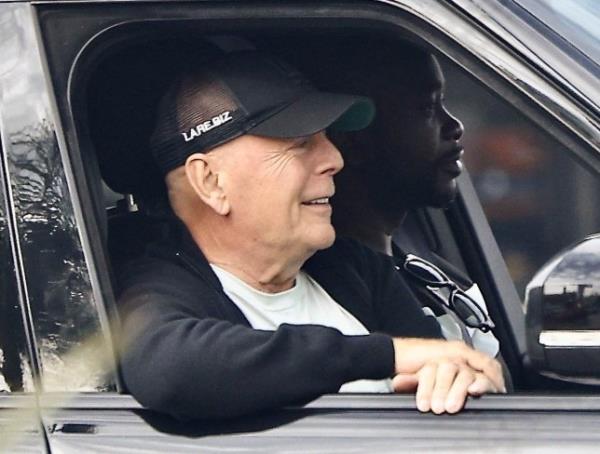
(58, 36)
(357, 423)
(517, 31)
(20, 427)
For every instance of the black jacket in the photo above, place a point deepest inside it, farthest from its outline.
(191, 353)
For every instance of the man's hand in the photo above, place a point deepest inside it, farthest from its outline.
(444, 373)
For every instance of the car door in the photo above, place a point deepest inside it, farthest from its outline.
(71, 295)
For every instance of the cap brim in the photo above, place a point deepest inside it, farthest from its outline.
(317, 111)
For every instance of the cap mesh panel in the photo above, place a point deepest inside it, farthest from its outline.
(197, 114)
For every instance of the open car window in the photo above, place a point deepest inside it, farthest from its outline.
(78, 61)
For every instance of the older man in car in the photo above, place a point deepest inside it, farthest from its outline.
(251, 304)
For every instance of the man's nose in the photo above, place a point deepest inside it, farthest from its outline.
(330, 159)
(453, 127)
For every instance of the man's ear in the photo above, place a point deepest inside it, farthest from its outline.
(204, 179)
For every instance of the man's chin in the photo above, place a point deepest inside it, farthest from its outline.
(324, 239)
(443, 196)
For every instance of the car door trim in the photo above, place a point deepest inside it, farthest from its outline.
(570, 338)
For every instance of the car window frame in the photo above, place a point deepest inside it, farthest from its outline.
(515, 24)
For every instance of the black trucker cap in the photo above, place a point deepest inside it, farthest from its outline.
(243, 92)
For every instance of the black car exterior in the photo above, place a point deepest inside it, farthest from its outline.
(61, 391)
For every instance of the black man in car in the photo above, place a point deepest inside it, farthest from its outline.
(413, 160)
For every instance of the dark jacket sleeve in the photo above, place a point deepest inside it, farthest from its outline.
(381, 298)
(182, 358)
(398, 309)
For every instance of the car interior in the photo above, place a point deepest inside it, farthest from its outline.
(122, 93)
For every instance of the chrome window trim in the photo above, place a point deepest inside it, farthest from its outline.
(553, 61)
(363, 402)
(373, 402)
(570, 338)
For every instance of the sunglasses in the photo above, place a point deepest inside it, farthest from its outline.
(467, 309)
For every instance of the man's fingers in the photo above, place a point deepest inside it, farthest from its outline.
(426, 376)
(412, 354)
(482, 385)
(447, 371)
(490, 367)
(404, 383)
(458, 393)
(444, 379)
(444, 386)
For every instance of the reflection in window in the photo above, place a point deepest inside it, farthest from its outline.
(15, 373)
(571, 292)
(64, 311)
(66, 321)
(571, 307)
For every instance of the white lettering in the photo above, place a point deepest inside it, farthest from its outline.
(206, 126)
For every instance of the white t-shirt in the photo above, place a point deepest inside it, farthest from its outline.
(306, 303)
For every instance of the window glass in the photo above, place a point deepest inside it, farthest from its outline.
(72, 349)
(537, 198)
(59, 288)
(577, 22)
(15, 372)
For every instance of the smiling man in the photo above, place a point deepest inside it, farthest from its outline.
(250, 304)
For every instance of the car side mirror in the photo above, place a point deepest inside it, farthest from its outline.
(562, 314)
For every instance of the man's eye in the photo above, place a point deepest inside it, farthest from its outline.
(297, 145)
(301, 144)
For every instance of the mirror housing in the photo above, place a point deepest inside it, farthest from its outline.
(562, 314)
